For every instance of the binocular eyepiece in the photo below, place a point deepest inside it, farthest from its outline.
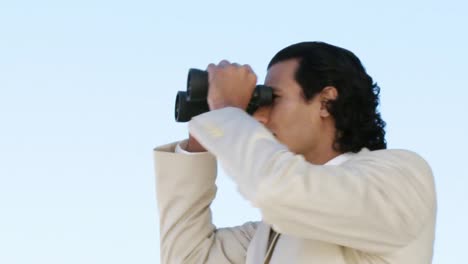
(194, 101)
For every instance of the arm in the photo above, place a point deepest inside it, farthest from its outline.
(376, 202)
(185, 189)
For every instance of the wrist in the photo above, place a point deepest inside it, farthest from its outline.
(193, 146)
(215, 106)
(218, 105)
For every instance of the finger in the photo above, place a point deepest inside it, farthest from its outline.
(224, 63)
(210, 67)
(247, 66)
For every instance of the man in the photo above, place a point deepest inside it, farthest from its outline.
(314, 162)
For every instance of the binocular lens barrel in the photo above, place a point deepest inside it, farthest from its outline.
(197, 85)
(186, 109)
(194, 101)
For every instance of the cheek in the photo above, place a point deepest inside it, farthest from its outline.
(301, 122)
(281, 115)
(286, 118)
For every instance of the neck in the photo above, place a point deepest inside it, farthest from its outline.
(324, 151)
(320, 157)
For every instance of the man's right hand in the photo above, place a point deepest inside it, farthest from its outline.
(193, 145)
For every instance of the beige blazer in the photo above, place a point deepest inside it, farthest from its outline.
(370, 207)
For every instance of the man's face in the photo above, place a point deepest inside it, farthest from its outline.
(295, 122)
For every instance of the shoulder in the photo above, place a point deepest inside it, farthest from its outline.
(405, 170)
(400, 159)
(390, 155)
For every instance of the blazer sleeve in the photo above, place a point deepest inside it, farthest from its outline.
(185, 188)
(377, 202)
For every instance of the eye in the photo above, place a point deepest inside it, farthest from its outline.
(276, 97)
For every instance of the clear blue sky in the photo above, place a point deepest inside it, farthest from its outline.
(87, 90)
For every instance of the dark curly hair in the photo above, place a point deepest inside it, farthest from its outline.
(357, 120)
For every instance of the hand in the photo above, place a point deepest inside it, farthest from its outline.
(193, 145)
(230, 84)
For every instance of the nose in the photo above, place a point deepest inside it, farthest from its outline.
(262, 114)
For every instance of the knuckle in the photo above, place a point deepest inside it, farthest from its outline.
(211, 67)
(224, 62)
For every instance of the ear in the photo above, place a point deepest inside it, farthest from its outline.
(329, 93)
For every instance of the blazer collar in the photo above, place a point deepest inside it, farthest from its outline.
(344, 157)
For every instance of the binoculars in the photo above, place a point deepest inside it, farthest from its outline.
(194, 101)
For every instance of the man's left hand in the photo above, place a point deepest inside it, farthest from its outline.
(230, 84)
